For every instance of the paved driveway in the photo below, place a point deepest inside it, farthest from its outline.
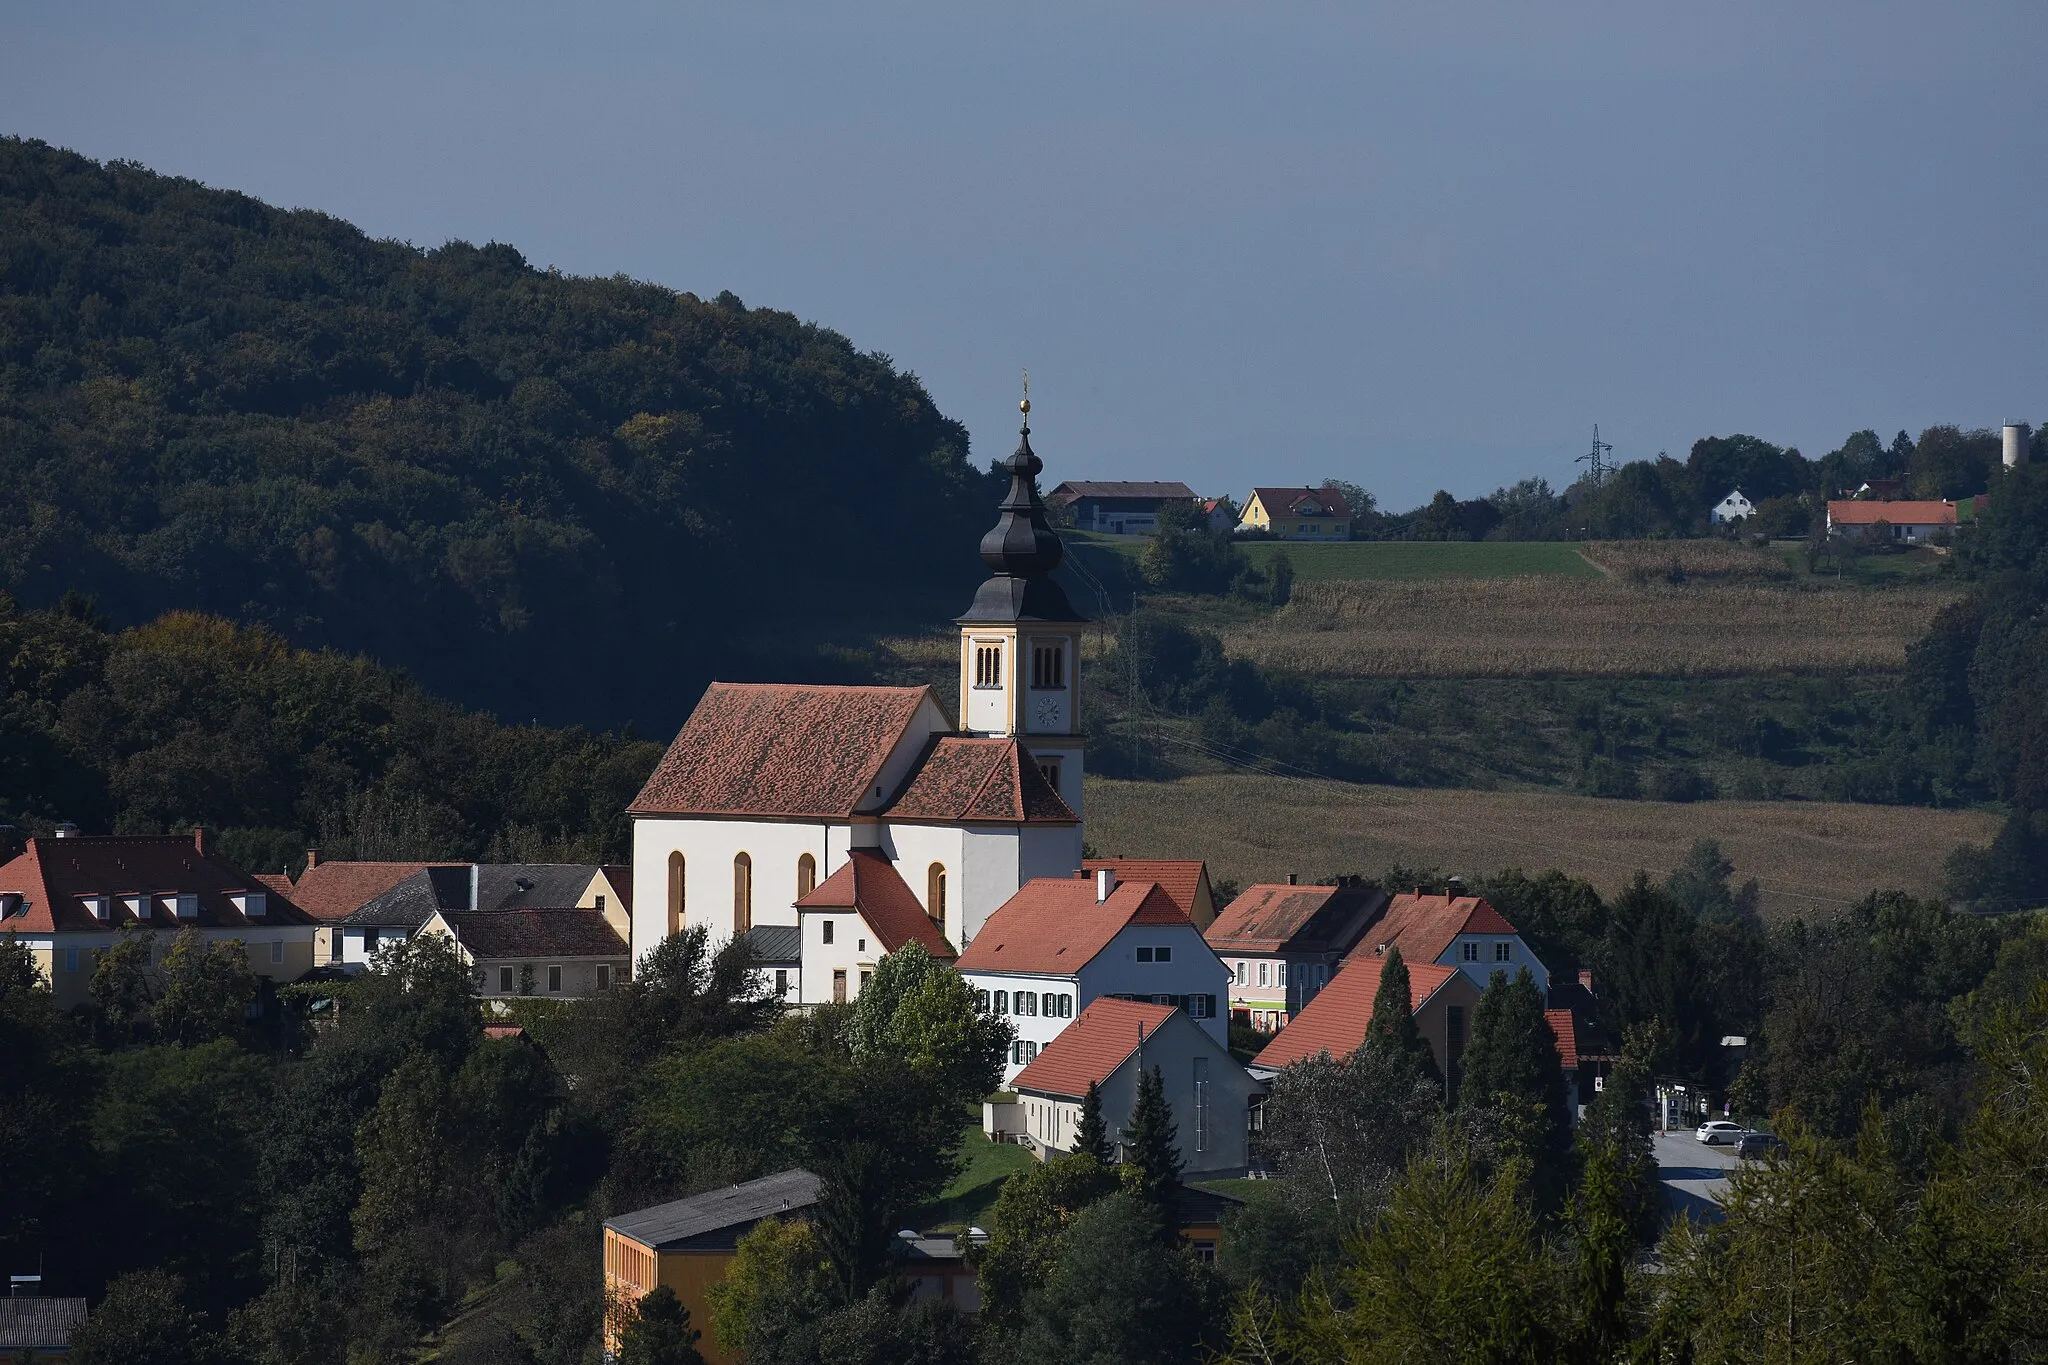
(1695, 1175)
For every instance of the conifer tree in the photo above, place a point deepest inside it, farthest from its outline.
(1091, 1138)
(1391, 1031)
(1512, 1065)
(1149, 1142)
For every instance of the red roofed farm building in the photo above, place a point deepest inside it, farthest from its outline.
(1061, 944)
(68, 898)
(1108, 1045)
(1281, 942)
(1442, 999)
(1463, 932)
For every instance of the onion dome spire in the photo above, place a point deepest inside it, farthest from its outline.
(1022, 549)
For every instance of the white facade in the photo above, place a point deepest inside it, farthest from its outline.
(1130, 966)
(1732, 508)
(1479, 956)
(840, 953)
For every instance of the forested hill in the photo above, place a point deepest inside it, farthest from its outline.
(545, 495)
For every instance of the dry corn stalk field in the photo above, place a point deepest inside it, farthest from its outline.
(1809, 858)
(1536, 627)
(1659, 561)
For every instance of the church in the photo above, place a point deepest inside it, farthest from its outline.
(769, 789)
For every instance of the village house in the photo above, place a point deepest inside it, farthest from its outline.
(560, 953)
(1441, 998)
(34, 1328)
(1061, 943)
(69, 898)
(332, 891)
(1108, 1046)
(1119, 509)
(1282, 942)
(768, 788)
(852, 920)
(1184, 879)
(1297, 513)
(1461, 932)
(1731, 509)
(403, 909)
(1911, 523)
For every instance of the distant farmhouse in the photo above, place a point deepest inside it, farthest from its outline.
(1297, 513)
(1119, 509)
(1731, 509)
(1910, 522)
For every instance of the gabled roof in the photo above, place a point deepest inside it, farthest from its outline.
(1334, 1021)
(1273, 917)
(1054, 926)
(1856, 512)
(1280, 501)
(1180, 878)
(731, 1209)
(1425, 926)
(52, 875)
(770, 749)
(1562, 1024)
(868, 883)
(962, 780)
(336, 890)
(39, 1324)
(409, 902)
(504, 886)
(1092, 1047)
(534, 933)
(1075, 489)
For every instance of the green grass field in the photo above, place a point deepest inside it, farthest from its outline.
(965, 1203)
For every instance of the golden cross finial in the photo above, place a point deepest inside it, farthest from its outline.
(1025, 406)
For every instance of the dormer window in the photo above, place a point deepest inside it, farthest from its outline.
(136, 904)
(10, 903)
(100, 907)
(253, 904)
(180, 904)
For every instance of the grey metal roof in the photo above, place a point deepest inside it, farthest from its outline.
(27, 1324)
(735, 1206)
(498, 886)
(773, 943)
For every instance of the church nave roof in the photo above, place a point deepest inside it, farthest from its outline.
(961, 779)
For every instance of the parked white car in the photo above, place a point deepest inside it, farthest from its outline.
(1717, 1131)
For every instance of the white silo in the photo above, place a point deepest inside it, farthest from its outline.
(2016, 434)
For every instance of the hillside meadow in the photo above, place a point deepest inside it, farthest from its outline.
(1810, 858)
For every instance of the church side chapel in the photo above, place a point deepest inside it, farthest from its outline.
(770, 790)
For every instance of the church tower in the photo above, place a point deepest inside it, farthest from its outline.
(1020, 640)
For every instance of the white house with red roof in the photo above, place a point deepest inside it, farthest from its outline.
(1184, 879)
(1441, 998)
(769, 788)
(855, 918)
(1109, 1045)
(66, 899)
(1061, 944)
(1463, 932)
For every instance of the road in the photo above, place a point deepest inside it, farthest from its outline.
(1695, 1175)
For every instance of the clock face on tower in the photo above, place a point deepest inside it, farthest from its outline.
(1046, 713)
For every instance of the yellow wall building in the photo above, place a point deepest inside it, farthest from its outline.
(1297, 513)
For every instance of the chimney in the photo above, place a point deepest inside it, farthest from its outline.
(1454, 887)
(1105, 882)
(312, 859)
(199, 839)
(1586, 979)
(67, 830)
(1293, 879)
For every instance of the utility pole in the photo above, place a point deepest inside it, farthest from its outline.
(1597, 466)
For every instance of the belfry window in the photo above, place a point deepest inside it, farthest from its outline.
(988, 665)
(1049, 666)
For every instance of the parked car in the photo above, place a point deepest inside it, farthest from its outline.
(1757, 1146)
(1714, 1132)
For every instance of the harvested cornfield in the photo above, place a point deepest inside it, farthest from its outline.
(1558, 627)
(1687, 561)
(1809, 858)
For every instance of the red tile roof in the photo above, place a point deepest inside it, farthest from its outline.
(1861, 513)
(963, 780)
(780, 750)
(1092, 1047)
(535, 933)
(332, 891)
(1334, 1021)
(1271, 916)
(52, 875)
(868, 883)
(1566, 1028)
(1279, 502)
(1180, 878)
(1424, 926)
(1054, 926)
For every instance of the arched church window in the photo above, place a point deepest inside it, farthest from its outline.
(935, 894)
(742, 894)
(675, 893)
(806, 876)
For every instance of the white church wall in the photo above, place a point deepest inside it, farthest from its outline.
(709, 847)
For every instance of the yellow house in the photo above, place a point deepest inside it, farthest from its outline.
(71, 897)
(1297, 513)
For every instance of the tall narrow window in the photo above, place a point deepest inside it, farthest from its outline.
(839, 985)
(806, 876)
(742, 894)
(675, 893)
(1201, 1104)
(935, 893)
(1049, 667)
(988, 665)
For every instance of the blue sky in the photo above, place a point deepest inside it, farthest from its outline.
(1414, 246)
